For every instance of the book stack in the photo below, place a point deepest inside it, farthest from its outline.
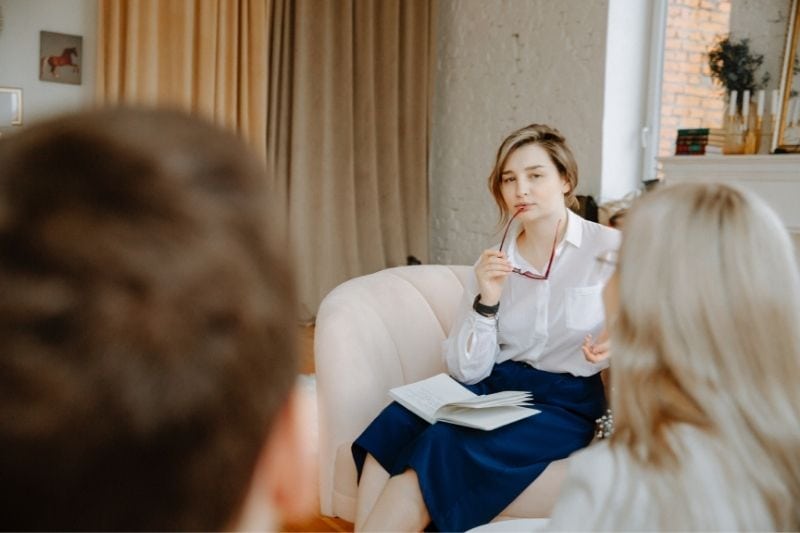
(699, 141)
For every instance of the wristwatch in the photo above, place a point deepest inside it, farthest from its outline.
(489, 311)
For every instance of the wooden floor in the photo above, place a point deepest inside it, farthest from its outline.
(306, 348)
(318, 522)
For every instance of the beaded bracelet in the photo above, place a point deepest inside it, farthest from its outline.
(605, 425)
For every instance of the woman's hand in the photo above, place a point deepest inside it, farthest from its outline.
(596, 351)
(491, 272)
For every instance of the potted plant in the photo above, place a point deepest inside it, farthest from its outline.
(733, 66)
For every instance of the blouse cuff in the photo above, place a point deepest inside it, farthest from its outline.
(485, 320)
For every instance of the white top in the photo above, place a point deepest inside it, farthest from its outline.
(512, 525)
(540, 322)
(605, 490)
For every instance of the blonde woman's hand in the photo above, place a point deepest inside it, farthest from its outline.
(491, 272)
(598, 350)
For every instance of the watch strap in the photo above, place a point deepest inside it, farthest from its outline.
(489, 311)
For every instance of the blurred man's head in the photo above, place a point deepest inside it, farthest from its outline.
(147, 350)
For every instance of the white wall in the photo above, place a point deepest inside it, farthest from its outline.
(764, 22)
(503, 64)
(625, 97)
(19, 53)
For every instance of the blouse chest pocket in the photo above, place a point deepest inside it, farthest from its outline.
(584, 307)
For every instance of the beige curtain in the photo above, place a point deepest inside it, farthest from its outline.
(204, 56)
(358, 138)
(334, 93)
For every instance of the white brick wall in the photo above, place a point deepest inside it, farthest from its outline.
(503, 64)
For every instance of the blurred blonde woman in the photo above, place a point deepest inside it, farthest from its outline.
(704, 313)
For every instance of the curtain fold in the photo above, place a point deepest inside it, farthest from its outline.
(203, 56)
(279, 103)
(361, 93)
(334, 95)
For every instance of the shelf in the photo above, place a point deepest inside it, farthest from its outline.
(776, 178)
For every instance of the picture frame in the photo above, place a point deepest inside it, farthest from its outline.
(15, 100)
(60, 57)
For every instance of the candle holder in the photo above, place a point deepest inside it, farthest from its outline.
(735, 130)
(765, 139)
(752, 137)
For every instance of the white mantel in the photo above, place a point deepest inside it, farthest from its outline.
(776, 178)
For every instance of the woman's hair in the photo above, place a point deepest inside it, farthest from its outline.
(552, 142)
(146, 324)
(707, 337)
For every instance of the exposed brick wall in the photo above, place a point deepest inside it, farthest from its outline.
(689, 98)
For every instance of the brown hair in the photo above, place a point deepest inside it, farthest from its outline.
(146, 323)
(551, 140)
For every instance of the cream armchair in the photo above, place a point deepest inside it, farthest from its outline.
(376, 332)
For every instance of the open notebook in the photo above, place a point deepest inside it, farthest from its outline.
(442, 399)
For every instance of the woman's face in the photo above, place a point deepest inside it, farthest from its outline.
(531, 181)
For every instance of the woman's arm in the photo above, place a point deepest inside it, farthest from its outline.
(471, 349)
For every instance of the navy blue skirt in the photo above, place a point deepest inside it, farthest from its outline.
(468, 476)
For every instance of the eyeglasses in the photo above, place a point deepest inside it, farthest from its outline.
(527, 274)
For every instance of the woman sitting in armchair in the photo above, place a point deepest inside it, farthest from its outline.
(523, 325)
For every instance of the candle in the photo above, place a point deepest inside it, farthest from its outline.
(760, 105)
(774, 102)
(732, 103)
(746, 103)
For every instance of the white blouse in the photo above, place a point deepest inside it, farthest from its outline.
(606, 490)
(540, 322)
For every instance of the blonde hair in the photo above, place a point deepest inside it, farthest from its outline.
(707, 337)
(552, 142)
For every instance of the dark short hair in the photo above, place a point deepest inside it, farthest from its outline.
(552, 142)
(146, 323)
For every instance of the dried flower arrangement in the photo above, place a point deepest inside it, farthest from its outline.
(734, 67)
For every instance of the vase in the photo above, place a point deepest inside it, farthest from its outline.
(752, 137)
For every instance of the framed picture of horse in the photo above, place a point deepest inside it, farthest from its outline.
(60, 57)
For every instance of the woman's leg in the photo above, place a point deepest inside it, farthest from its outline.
(400, 506)
(373, 480)
(538, 500)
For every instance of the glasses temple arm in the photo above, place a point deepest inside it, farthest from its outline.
(553, 251)
(508, 226)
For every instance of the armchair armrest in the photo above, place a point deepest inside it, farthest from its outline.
(373, 333)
